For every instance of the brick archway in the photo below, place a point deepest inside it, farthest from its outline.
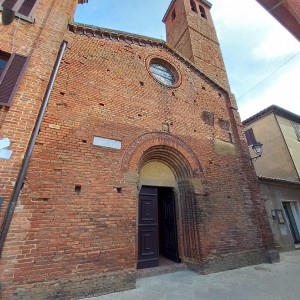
(165, 148)
(177, 155)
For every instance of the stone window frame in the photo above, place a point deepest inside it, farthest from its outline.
(164, 62)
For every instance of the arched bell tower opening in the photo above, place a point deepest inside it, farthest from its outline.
(166, 217)
(190, 31)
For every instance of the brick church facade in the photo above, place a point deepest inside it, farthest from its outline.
(124, 149)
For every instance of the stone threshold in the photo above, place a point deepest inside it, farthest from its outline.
(160, 270)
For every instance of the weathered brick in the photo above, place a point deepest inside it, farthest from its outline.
(70, 243)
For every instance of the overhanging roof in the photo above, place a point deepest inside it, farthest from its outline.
(273, 109)
(287, 12)
(281, 181)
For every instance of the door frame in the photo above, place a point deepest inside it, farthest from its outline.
(177, 219)
(297, 218)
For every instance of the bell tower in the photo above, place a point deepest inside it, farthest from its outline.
(191, 32)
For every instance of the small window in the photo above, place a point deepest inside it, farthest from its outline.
(21, 7)
(163, 72)
(297, 130)
(250, 137)
(202, 12)
(3, 61)
(173, 14)
(193, 6)
(209, 118)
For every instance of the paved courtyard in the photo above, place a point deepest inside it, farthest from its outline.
(280, 281)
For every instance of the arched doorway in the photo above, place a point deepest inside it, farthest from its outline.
(157, 222)
(157, 153)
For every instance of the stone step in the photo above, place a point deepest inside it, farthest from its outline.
(160, 270)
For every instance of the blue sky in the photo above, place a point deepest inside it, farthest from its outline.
(262, 58)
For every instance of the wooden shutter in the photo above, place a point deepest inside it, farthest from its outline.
(250, 137)
(21, 7)
(11, 77)
(27, 7)
(9, 3)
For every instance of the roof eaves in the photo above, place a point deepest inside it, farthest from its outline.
(278, 180)
(275, 110)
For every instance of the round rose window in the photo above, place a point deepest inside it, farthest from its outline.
(163, 71)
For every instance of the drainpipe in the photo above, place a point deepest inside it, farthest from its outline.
(19, 184)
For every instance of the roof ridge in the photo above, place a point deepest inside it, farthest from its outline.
(277, 110)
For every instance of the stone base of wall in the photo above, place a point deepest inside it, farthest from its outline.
(234, 261)
(273, 256)
(77, 288)
(100, 284)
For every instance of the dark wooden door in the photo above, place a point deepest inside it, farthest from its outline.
(169, 225)
(148, 248)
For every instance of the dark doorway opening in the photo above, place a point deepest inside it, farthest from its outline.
(291, 215)
(157, 232)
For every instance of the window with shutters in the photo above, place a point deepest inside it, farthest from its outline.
(22, 8)
(4, 57)
(297, 130)
(250, 137)
(12, 67)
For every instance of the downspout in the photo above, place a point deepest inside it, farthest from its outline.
(19, 184)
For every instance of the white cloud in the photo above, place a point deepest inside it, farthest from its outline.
(236, 13)
(255, 45)
(278, 43)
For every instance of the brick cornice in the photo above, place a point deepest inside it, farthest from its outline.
(130, 38)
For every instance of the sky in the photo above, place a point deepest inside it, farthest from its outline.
(262, 58)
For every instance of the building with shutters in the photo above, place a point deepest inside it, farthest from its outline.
(286, 12)
(127, 151)
(278, 170)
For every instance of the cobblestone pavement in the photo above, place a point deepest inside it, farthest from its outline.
(280, 281)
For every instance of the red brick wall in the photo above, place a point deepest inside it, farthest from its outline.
(195, 38)
(295, 6)
(66, 244)
(70, 236)
(40, 41)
